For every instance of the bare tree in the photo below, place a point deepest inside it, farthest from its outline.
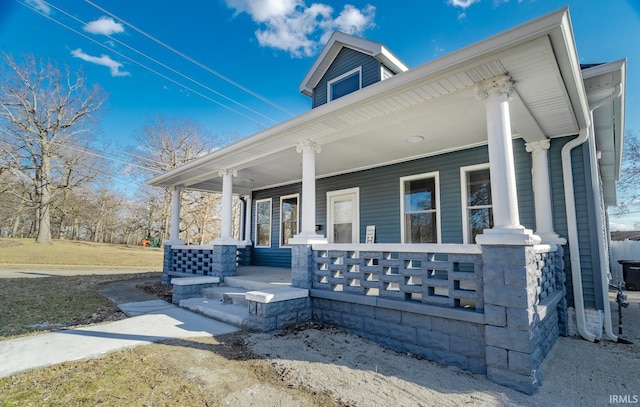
(14, 214)
(164, 144)
(629, 184)
(44, 113)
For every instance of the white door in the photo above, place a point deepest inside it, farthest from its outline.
(343, 216)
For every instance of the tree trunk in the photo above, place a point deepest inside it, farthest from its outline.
(43, 195)
(14, 228)
(75, 229)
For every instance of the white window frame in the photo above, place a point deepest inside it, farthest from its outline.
(341, 77)
(355, 233)
(436, 176)
(255, 233)
(282, 198)
(465, 208)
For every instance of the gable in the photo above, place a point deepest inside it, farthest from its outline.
(332, 48)
(345, 62)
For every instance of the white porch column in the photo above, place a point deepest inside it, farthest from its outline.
(307, 234)
(507, 229)
(247, 222)
(174, 231)
(227, 206)
(542, 192)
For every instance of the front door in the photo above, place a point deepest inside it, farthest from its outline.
(343, 216)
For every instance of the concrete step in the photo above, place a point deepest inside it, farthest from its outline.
(232, 314)
(248, 285)
(227, 295)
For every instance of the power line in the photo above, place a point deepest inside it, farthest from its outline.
(188, 58)
(85, 151)
(140, 64)
(165, 66)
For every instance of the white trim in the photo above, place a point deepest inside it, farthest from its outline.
(255, 228)
(463, 194)
(453, 248)
(297, 196)
(345, 75)
(355, 232)
(436, 176)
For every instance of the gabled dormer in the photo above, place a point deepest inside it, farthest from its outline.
(346, 64)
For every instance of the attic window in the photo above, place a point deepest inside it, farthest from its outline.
(344, 84)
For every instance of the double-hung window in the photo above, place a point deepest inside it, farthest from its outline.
(420, 203)
(289, 218)
(263, 223)
(344, 84)
(476, 200)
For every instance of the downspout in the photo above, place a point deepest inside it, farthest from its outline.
(572, 231)
(572, 224)
(604, 266)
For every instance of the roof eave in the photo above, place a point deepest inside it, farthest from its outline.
(619, 69)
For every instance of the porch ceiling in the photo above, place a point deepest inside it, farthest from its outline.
(437, 101)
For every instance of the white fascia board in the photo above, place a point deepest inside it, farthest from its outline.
(564, 46)
(391, 61)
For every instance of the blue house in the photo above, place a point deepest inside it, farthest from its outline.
(456, 210)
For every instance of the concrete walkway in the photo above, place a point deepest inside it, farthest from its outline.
(151, 320)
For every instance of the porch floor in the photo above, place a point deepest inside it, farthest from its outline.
(259, 277)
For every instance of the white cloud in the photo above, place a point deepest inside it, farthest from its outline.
(104, 26)
(462, 3)
(40, 6)
(105, 60)
(263, 10)
(294, 27)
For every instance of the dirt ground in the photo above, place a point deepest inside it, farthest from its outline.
(356, 372)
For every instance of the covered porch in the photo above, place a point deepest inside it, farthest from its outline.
(494, 305)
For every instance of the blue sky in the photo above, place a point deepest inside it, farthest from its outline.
(235, 65)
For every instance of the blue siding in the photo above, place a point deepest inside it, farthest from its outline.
(589, 256)
(380, 198)
(380, 204)
(274, 256)
(346, 60)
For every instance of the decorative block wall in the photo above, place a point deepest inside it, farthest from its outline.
(192, 261)
(408, 328)
(271, 316)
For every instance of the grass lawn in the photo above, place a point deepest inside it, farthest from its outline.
(71, 254)
(32, 304)
(41, 304)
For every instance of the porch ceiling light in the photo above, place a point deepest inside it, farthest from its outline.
(414, 139)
